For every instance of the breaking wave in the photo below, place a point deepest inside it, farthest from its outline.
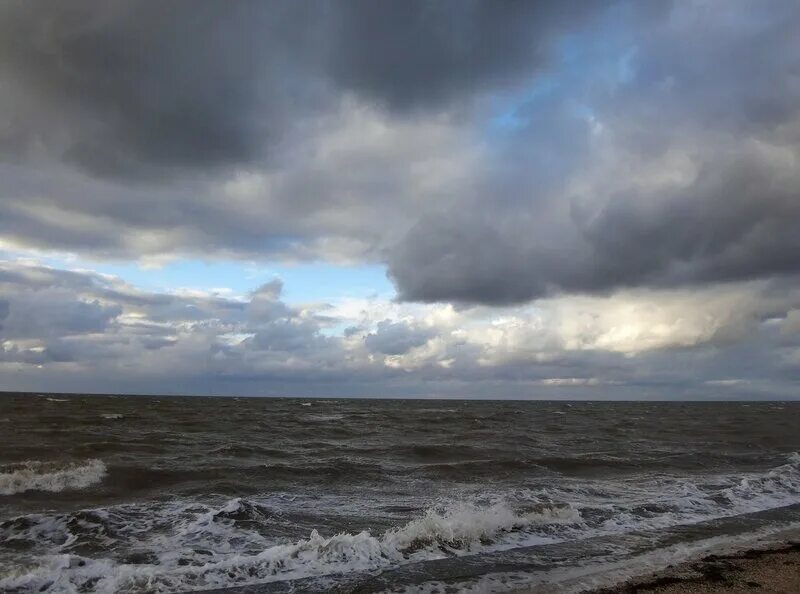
(50, 476)
(210, 548)
(180, 545)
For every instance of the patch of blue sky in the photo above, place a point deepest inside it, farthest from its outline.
(302, 282)
(319, 281)
(606, 52)
(509, 109)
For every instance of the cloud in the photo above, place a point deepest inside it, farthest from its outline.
(566, 196)
(413, 55)
(79, 330)
(347, 193)
(125, 89)
(396, 338)
(55, 313)
(683, 171)
(122, 89)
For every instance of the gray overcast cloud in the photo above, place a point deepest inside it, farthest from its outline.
(557, 191)
(121, 88)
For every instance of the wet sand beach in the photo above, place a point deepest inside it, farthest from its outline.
(775, 569)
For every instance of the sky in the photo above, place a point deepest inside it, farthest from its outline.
(479, 199)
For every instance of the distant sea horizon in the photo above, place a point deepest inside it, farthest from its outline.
(450, 397)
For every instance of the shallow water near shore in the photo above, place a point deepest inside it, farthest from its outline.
(142, 494)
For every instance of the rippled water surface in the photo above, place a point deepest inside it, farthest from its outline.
(140, 494)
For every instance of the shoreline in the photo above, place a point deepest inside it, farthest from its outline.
(772, 568)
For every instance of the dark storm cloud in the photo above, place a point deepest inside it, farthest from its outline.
(137, 88)
(486, 152)
(737, 221)
(409, 55)
(697, 149)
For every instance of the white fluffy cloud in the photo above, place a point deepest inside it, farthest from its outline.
(63, 329)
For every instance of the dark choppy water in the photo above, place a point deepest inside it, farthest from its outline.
(135, 494)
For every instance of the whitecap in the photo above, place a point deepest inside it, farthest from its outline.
(113, 416)
(325, 418)
(244, 557)
(34, 475)
(461, 526)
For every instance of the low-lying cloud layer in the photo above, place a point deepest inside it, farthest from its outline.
(578, 178)
(75, 330)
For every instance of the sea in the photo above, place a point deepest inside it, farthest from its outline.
(253, 495)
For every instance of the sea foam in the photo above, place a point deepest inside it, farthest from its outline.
(34, 475)
(451, 529)
(198, 546)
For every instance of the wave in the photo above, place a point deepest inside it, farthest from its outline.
(340, 470)
(185, 561)
(184, 545)
(34, 475)
(113, 416)
(324, 418)
(459, 527)
(755, 492)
